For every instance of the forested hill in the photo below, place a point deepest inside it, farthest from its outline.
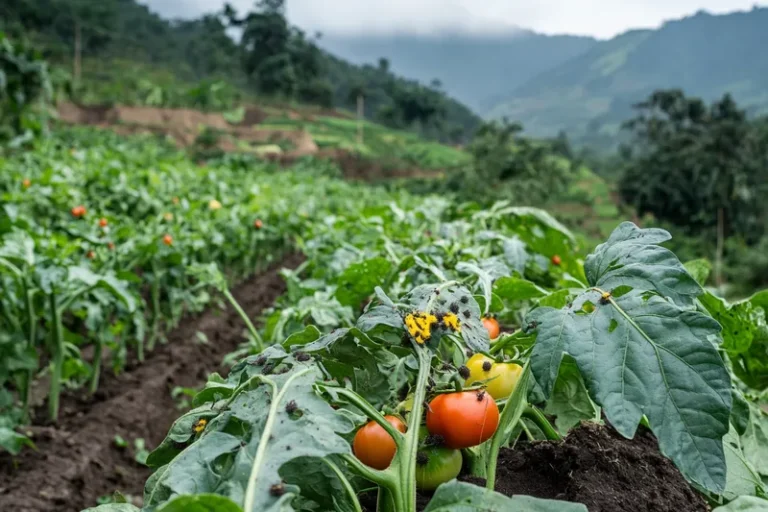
(589, 96)
(273, 59)
(478, 70)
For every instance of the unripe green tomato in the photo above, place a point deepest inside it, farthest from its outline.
(435, 466)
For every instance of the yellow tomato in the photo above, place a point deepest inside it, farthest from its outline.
(499, 379)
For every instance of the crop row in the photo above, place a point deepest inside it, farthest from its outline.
(376, 370)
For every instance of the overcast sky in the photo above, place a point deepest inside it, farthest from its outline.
(600, 18)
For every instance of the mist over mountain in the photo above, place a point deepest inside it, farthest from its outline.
(478, 71)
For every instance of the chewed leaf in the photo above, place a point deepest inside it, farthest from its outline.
(454, 308)
(632, 257)
(278, 417)
(642, 355)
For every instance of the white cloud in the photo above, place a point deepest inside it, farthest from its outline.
(601, 18)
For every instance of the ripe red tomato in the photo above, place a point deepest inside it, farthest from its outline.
(463, 419)
(492, 325)
(90, 255)
(258, 224)
(26, 183)
(373, 446)
(168, 240)
(78, 211)
(103, 222)
(556, 260)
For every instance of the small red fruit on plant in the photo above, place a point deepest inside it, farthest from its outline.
(26, 183)
(373, 446)
(556, 260)
(111, 246)
(103, 222)
(78, 211)
(90, 255)
(168, 240)
(463, 419)
(492, 326)
(258, 224)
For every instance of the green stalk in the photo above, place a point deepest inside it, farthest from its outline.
(404, 495)
(344, 484)
(94, 384)
(155, 295)
(57, 344)
(511, 414)
(31, 338)
(535, 415)
(254, 333)
(250, 491)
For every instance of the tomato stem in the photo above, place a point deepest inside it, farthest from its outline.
(511, 414)
(541, 421)
(344, 484)
(57, 345)
(254, 333)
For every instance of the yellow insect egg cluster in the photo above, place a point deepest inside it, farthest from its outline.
(452, 322)
(421, 325)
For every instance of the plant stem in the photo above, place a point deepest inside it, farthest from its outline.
(155, 293)
(535, 415)
(31, 338)
(405, 494)
(372, 413)
(57, 344)
(511, 414)
(254, 333)
(345, 484)
(96, 366)
(250, 491)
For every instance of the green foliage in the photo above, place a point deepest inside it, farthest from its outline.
(514, 167)
(25, 92)
(462, 497)
(639, 349)
(689, 161)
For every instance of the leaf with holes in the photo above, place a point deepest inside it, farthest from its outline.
(274, 419)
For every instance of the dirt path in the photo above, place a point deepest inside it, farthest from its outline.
(78, 461)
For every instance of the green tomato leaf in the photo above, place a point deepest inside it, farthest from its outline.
(739, 412)
(277, 418)
(570, 402)
(457, 496)
(754, 441)
(359, 280)
(13, 442)
(739, 321)
(514, 289)
(632, 257)
(745, 504)
(741, 479)
(308, 335)
(699, 270)
(484, 279)
(641, 354)
(200, 503)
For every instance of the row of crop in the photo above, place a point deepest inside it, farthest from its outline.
(380, 367)
(97, 238)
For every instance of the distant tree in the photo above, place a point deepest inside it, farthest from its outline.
(384, 65)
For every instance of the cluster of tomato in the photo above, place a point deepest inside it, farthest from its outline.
(454, 421)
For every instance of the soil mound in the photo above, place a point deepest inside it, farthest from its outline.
(596, 466)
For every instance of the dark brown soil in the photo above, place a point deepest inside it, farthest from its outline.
(599, 468)
(595, 466)
(77, 461)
